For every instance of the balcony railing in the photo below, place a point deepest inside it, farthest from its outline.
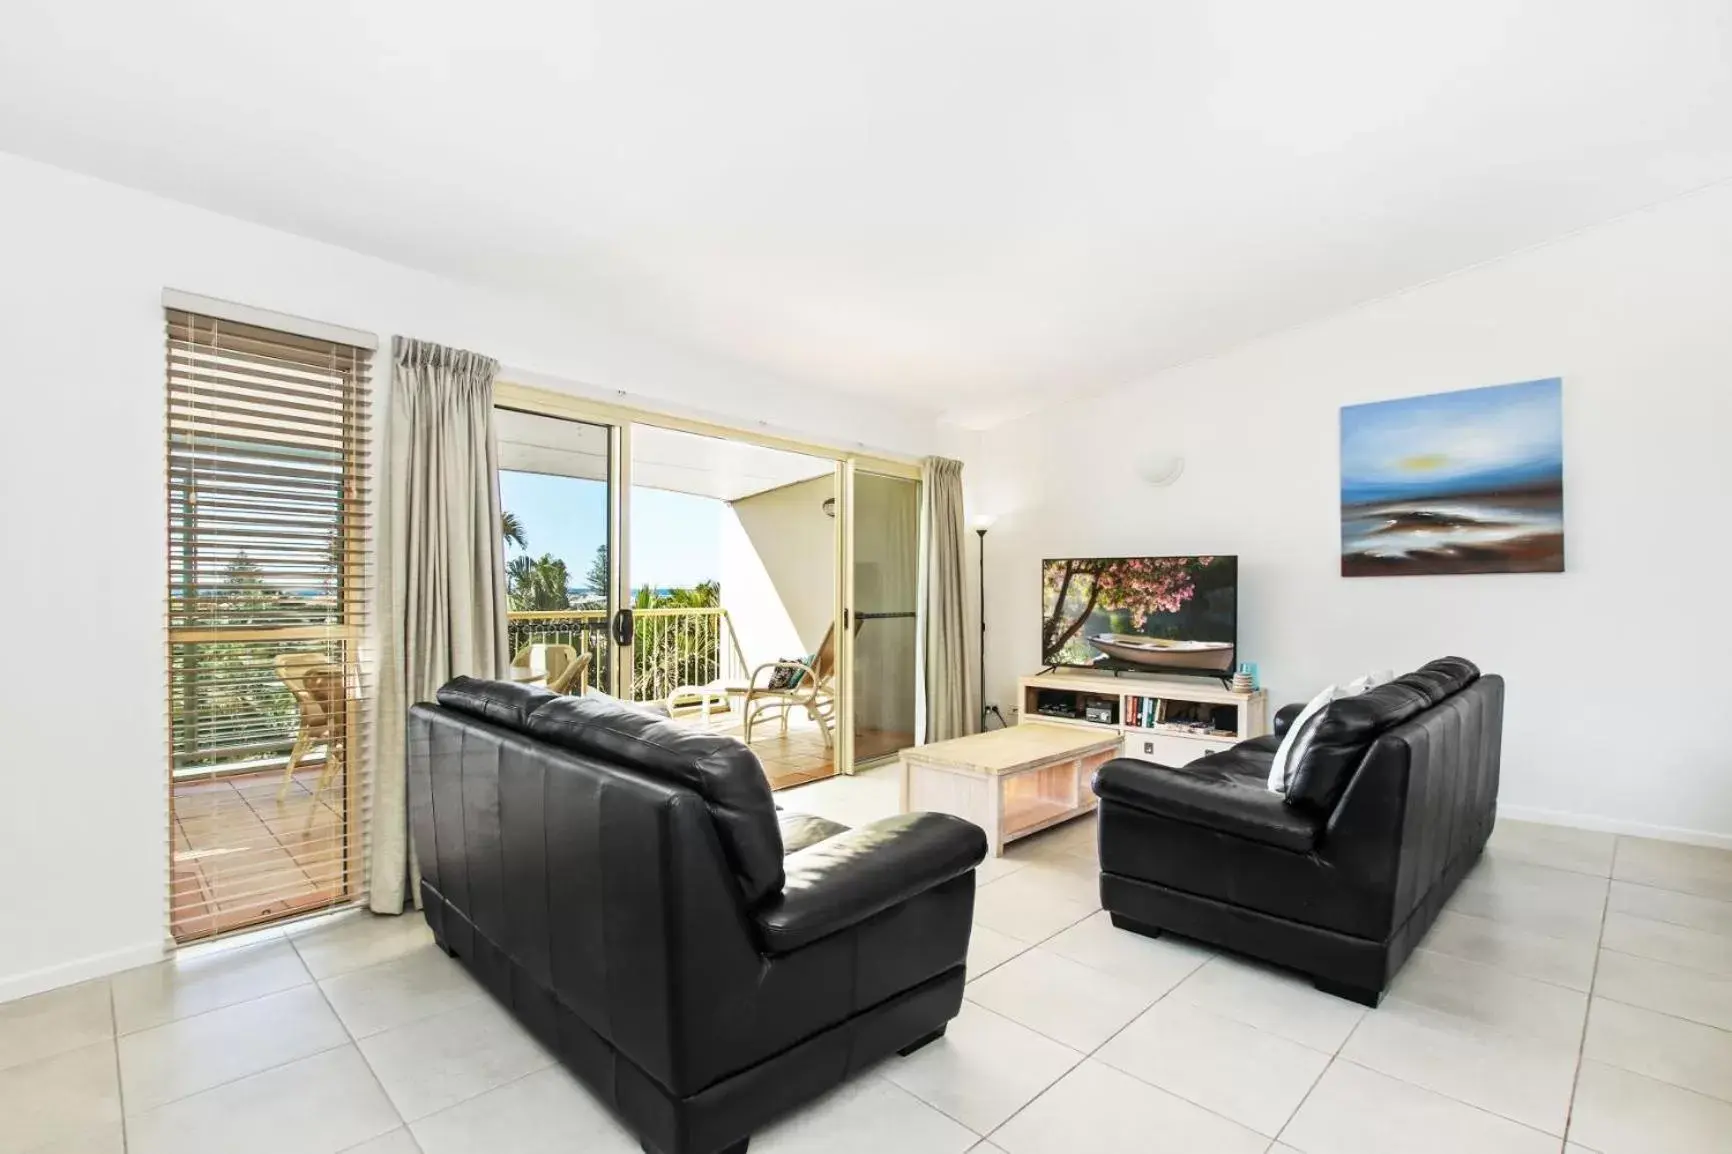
(237, 716)
(671, 647)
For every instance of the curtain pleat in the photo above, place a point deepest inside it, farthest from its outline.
(442, 572)
(950, 711)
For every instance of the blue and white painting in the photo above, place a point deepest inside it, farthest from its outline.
(1463, 482)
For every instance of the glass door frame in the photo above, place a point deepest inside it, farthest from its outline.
(848, 472)
(619, 597)
(843, 616)
(618, 677)
(618, 419)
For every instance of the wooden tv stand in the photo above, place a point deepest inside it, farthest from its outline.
(1234, 716)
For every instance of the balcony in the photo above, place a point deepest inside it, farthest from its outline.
(673, 647)
(684, 647)
(251, 842)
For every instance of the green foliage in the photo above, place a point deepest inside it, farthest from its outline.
(512, 530)
(597, 579)
(225, 687)
(680, 649)
(537, 584)
(668, 651)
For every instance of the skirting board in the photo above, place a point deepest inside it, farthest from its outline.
(82, 970)
(1611, 825)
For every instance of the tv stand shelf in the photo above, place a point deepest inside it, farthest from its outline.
(1111, 697)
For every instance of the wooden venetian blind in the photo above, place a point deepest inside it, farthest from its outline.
(268, 484)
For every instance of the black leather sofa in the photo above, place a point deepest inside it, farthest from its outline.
(625, 886)
(1390, 798)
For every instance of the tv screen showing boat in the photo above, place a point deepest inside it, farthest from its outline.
(1142, 614)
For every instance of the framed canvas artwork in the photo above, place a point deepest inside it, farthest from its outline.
(1464, 482)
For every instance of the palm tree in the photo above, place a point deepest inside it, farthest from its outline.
(512, 530)
(538, 583)
(683, 649)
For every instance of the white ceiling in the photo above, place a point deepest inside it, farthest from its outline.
(660, 458)
(974, 206)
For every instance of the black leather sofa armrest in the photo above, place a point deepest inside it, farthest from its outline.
(844, 880)
(1285, 716)
(1209, 795)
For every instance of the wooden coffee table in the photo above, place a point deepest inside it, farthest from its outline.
(1010, 782)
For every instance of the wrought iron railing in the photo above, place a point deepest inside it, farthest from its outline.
(670, 648)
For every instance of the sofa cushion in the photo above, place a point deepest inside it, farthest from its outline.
(847, 879)
(1189, 858)
(1325, 755)
(502, 702)
(800, 830)
(1441, 678)
(720, 770)
(1307, 717)
(1223, 791)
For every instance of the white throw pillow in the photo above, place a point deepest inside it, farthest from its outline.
(1370, 681)
(1278, 767)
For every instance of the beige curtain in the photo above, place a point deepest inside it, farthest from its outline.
(441, 572)
(950, 710)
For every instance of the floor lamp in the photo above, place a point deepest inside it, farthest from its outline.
(982, 522)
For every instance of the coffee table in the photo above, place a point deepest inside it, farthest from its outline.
(1010, 782)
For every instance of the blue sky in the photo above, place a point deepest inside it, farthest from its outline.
(676, 538)
(1448, 442)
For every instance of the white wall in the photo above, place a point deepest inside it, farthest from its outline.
(1616, 668)
(779, 569)
(82, 268)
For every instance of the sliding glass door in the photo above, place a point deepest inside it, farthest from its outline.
(566, 619)
(751, 587)
(881, 550)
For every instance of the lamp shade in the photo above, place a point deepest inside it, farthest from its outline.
(981, 522)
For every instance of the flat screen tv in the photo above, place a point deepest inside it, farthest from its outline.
(1142, 614)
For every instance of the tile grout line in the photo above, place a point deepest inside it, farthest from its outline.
(1213, 954)
(355, 1042)
(878, 1073)
(239, 1077)
(1334, 1056)
(1086, 1055)
(350, 1039)
(119, 1082)
(1090, 1054)
(1490, 1113)
(1657, 1013)
(404, 1123)
(1593, 980)
(1174, 1093)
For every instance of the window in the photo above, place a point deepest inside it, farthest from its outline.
(267, 598)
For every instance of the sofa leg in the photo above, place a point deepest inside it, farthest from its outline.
(1120, 922)
(1364, 995)
(919, 1042)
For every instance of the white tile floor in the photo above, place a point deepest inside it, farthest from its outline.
(1579, 987)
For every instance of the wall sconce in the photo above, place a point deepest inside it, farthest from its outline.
(1160, 470)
